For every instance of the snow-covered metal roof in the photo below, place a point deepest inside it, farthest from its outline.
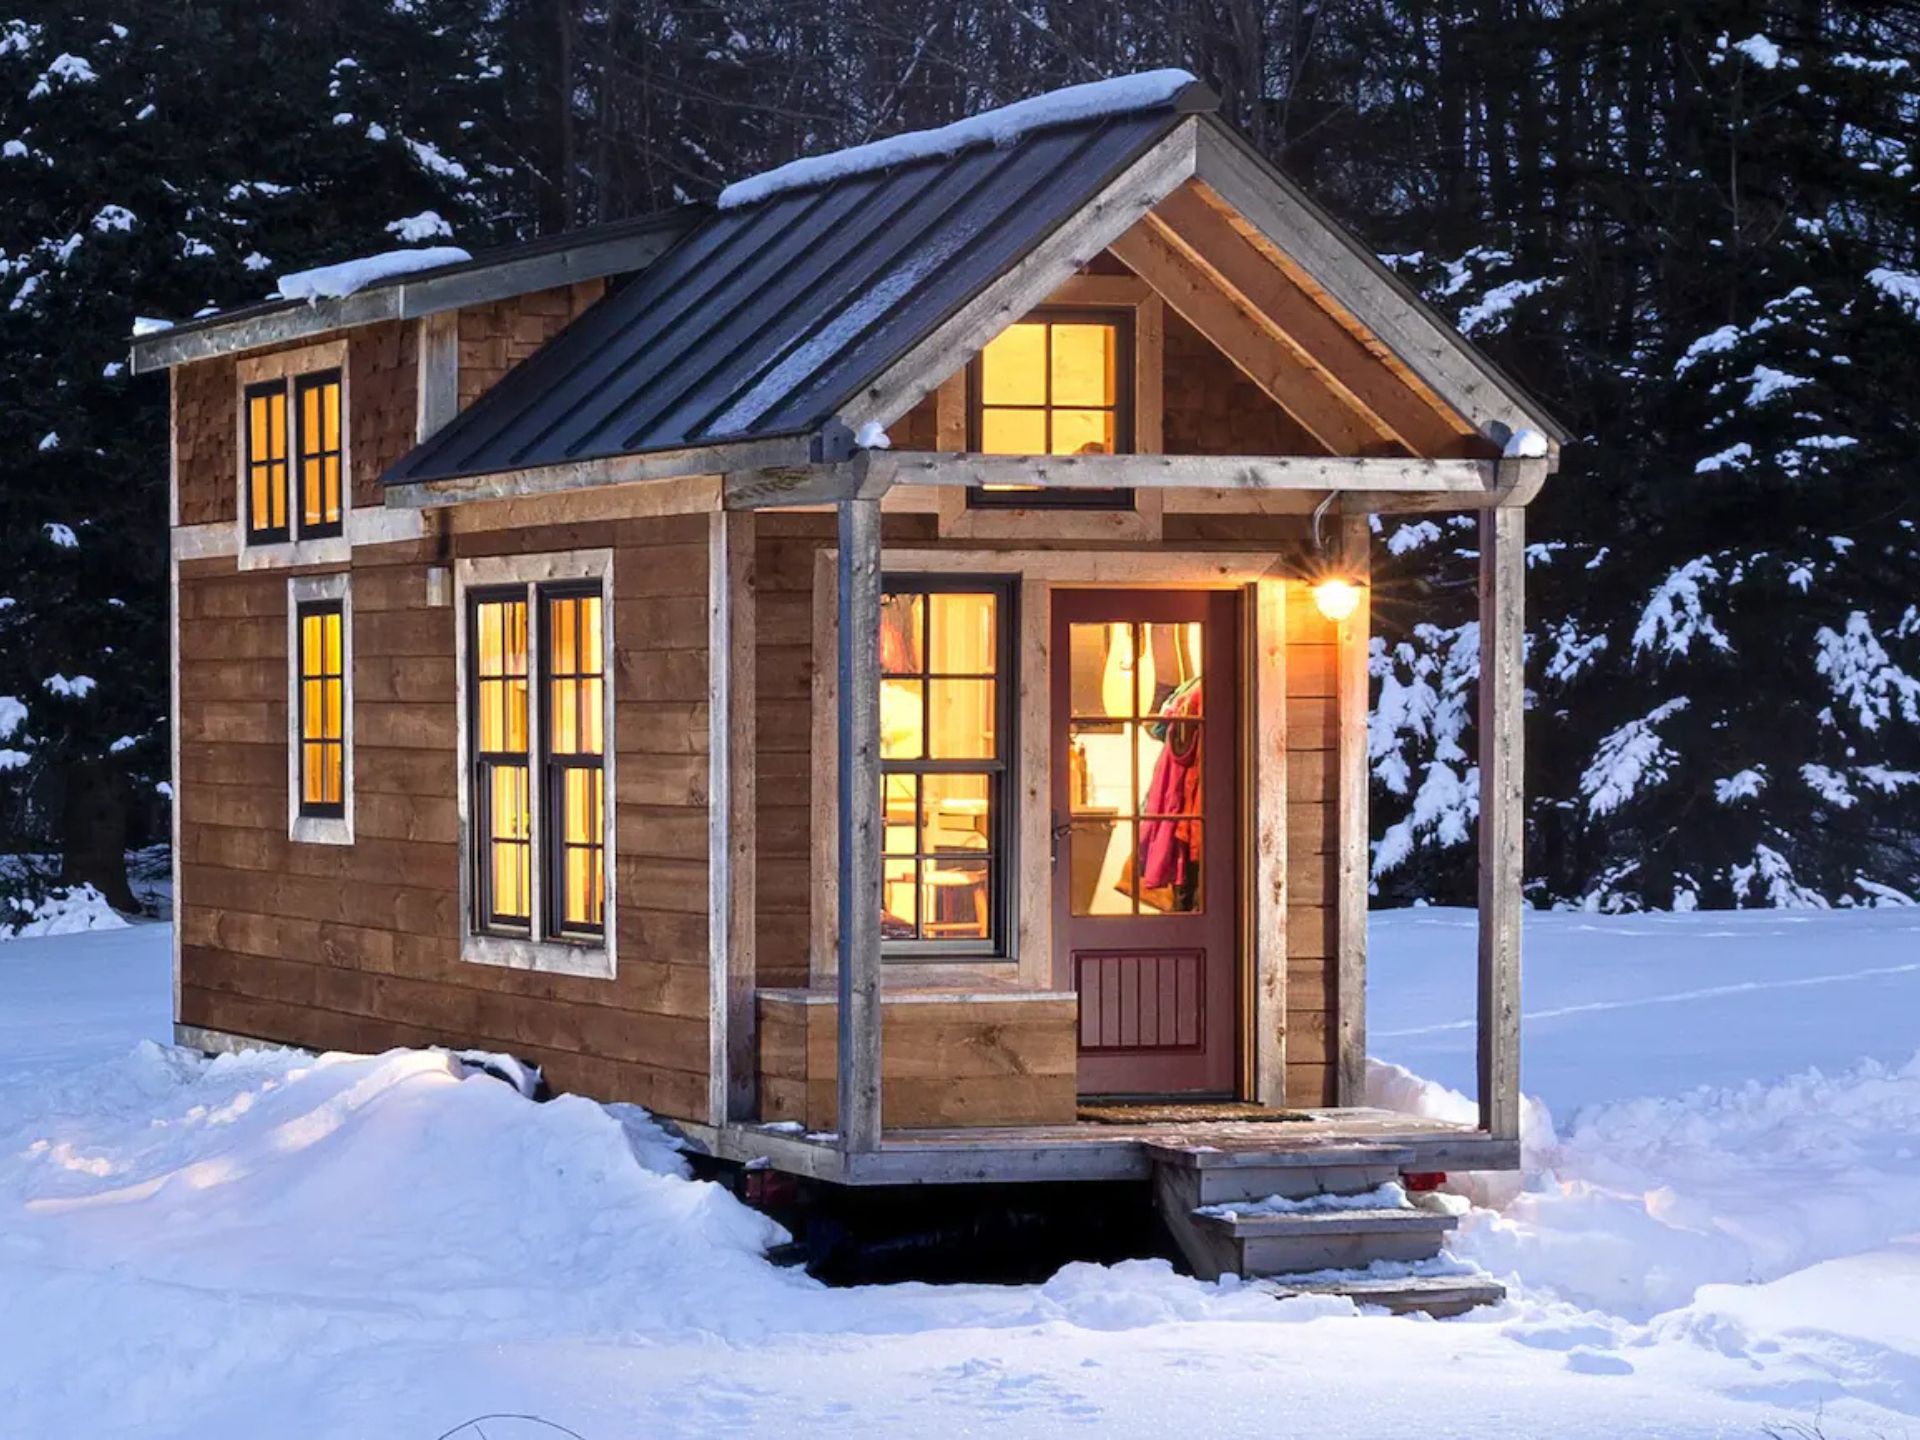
(807, 284)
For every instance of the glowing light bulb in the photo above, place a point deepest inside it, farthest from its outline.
(1337, 599)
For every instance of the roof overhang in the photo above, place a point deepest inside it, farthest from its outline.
(520, 270)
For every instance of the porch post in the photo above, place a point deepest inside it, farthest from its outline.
(1502, 813)
(1354, 855)
(733, 1048)
(859, 824)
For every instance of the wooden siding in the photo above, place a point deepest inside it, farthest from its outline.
(1211, 408)
(1312, 811)
(357, 947)
(495, 338)
(945, 1061)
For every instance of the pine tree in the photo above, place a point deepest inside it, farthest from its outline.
(160, 167)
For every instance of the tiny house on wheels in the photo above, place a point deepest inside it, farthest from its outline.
(873, 670)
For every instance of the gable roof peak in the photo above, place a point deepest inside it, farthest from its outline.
(1149, 90)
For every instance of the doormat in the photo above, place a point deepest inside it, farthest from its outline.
(1244, 1111)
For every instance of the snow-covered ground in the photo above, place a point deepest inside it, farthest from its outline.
(1718, 1242)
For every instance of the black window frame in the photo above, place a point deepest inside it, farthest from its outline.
(486, 920)
(319, 809)
(1113, 498)
(552, 837)
(271, 534)
(1002, 783)
(298, 456)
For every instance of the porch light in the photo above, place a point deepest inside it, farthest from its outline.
(1336, 598)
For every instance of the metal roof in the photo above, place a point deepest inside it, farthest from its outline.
(768, 318)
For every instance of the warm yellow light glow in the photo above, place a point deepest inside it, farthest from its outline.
(1336, 598)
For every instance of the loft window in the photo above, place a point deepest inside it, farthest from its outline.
(322, 735)
(560, 658)
(266, 407)
(1057, 383)
(945, 736)
(316, 401)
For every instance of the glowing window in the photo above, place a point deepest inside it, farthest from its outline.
(1056, 383)
(322, 710)
(266, 429)
(317, 430)
(943, 748)
(547, 821)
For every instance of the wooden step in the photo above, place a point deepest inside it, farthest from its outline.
(1309, 1153)
(1440, 1296)
(1289, 1242)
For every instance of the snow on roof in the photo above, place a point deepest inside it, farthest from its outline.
(331, 282)
(996, 127)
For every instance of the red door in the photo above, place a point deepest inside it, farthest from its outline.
(1145, 852)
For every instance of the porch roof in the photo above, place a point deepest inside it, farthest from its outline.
(773, 314)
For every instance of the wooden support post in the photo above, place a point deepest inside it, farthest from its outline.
(859, 746)
(1503, 573)
(1351, 686)
(1268, 609)
(733, 1054)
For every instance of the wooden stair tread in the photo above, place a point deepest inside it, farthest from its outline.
(1373, 1221)
(1253, 1154)
(1436, 1294)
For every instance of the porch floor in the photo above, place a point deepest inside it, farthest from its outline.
(1087, 1151)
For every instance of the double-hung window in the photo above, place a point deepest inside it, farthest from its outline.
(537, 745)
(945, 739)
(293, 461)
(320, 708)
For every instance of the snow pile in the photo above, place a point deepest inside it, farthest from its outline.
(65, 911)
(1389, 1196)
(332, 282)
(872, 435)
(1145, 91)
(1526, 444)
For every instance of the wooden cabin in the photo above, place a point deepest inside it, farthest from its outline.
(874, 671)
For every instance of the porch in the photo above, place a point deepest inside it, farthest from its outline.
(930, 1103)
(1094, 1152)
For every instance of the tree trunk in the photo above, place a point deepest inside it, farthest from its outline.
(93, 831)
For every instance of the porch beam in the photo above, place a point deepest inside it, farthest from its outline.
(1354, 560)
(698, 460)
(733, 1053)
(1502, 815)
(777, 487)
(1459, 481)
(859, 824)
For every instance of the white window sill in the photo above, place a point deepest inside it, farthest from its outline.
(549, 957)
(320, 830)
(284, 554)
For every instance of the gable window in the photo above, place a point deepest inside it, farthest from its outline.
(317, 435)
(945, 735)
(266, 462)
(293, 454)
(320, 709)
(537, 725)
(1056, 383)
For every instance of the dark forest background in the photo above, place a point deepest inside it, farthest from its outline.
(1689, 228)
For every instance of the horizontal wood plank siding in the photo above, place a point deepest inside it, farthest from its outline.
(945, 1061)
(357, 947)
(1312, 787)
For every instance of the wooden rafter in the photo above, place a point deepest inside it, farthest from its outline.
(1254, 274)
(1288, 376)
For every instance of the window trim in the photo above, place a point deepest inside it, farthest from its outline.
(482, 917)
(331, 825)
(297, 387)
(592, 957)
(1003, 781)
(1124, 439)
(303, 611)
(275, 550)
(272, 534)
